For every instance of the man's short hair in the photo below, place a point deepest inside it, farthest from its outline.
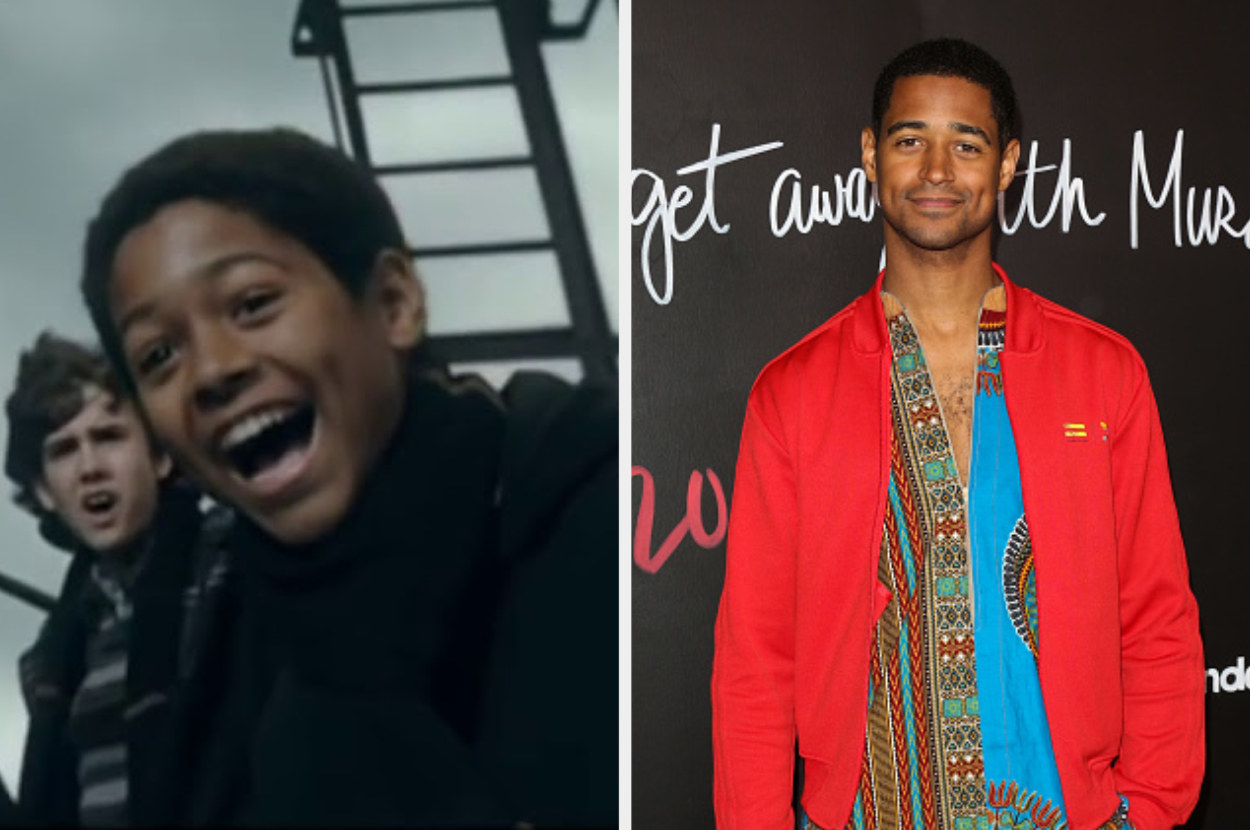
(53, 380)
(951, 58)
(281, 177)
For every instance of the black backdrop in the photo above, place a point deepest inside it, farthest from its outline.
(1089, 77)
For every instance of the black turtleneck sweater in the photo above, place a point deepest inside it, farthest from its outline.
(397, 671)
(331, 713)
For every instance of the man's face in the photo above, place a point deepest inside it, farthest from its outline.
(100, 475)
(937, 163)
(268, 382)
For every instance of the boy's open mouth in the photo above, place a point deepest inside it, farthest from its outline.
(99, 502)
(261, 441)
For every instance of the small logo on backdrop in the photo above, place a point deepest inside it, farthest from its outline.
(1230, 679)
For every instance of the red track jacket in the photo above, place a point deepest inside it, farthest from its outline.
(1120, 662)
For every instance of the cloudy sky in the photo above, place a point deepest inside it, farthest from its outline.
(89, 86)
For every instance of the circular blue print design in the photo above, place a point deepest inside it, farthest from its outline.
(1020, 585)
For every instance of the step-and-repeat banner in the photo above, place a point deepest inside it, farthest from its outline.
(753, 224)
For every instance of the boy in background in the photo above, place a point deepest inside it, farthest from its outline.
(99, 679)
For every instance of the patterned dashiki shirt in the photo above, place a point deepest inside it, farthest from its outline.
(957, 732)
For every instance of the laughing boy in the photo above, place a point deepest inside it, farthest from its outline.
(428, 634)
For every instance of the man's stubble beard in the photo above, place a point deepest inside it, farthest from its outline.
(940, 240)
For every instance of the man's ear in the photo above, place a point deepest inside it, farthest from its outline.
(868, 153)
(45, 496)
(1007, 167)
(400, 297)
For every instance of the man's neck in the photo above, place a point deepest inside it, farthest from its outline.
(942, 290)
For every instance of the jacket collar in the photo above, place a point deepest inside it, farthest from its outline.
(1025, 322)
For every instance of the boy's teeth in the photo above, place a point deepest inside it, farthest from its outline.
(251, 426)
(98, 501)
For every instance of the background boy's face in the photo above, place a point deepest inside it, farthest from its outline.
(268, 382)
(99, 474)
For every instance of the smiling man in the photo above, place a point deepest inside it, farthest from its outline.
(428, 634)
(955, 577)
(98, 681)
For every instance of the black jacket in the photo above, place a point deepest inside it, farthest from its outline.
(53, 668)
(447, 656)
(549, 712)
(9, 814)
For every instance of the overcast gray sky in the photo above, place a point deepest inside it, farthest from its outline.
(89, 86)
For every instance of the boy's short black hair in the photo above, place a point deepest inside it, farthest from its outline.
(283, 178)
(951, 58)
(53, 377)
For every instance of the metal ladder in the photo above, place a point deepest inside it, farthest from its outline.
(319, 32)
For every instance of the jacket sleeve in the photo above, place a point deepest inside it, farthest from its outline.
(47, 792)
(1161, 755)
(753, 720)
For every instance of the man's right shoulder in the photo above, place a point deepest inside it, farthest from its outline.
(810, 355)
